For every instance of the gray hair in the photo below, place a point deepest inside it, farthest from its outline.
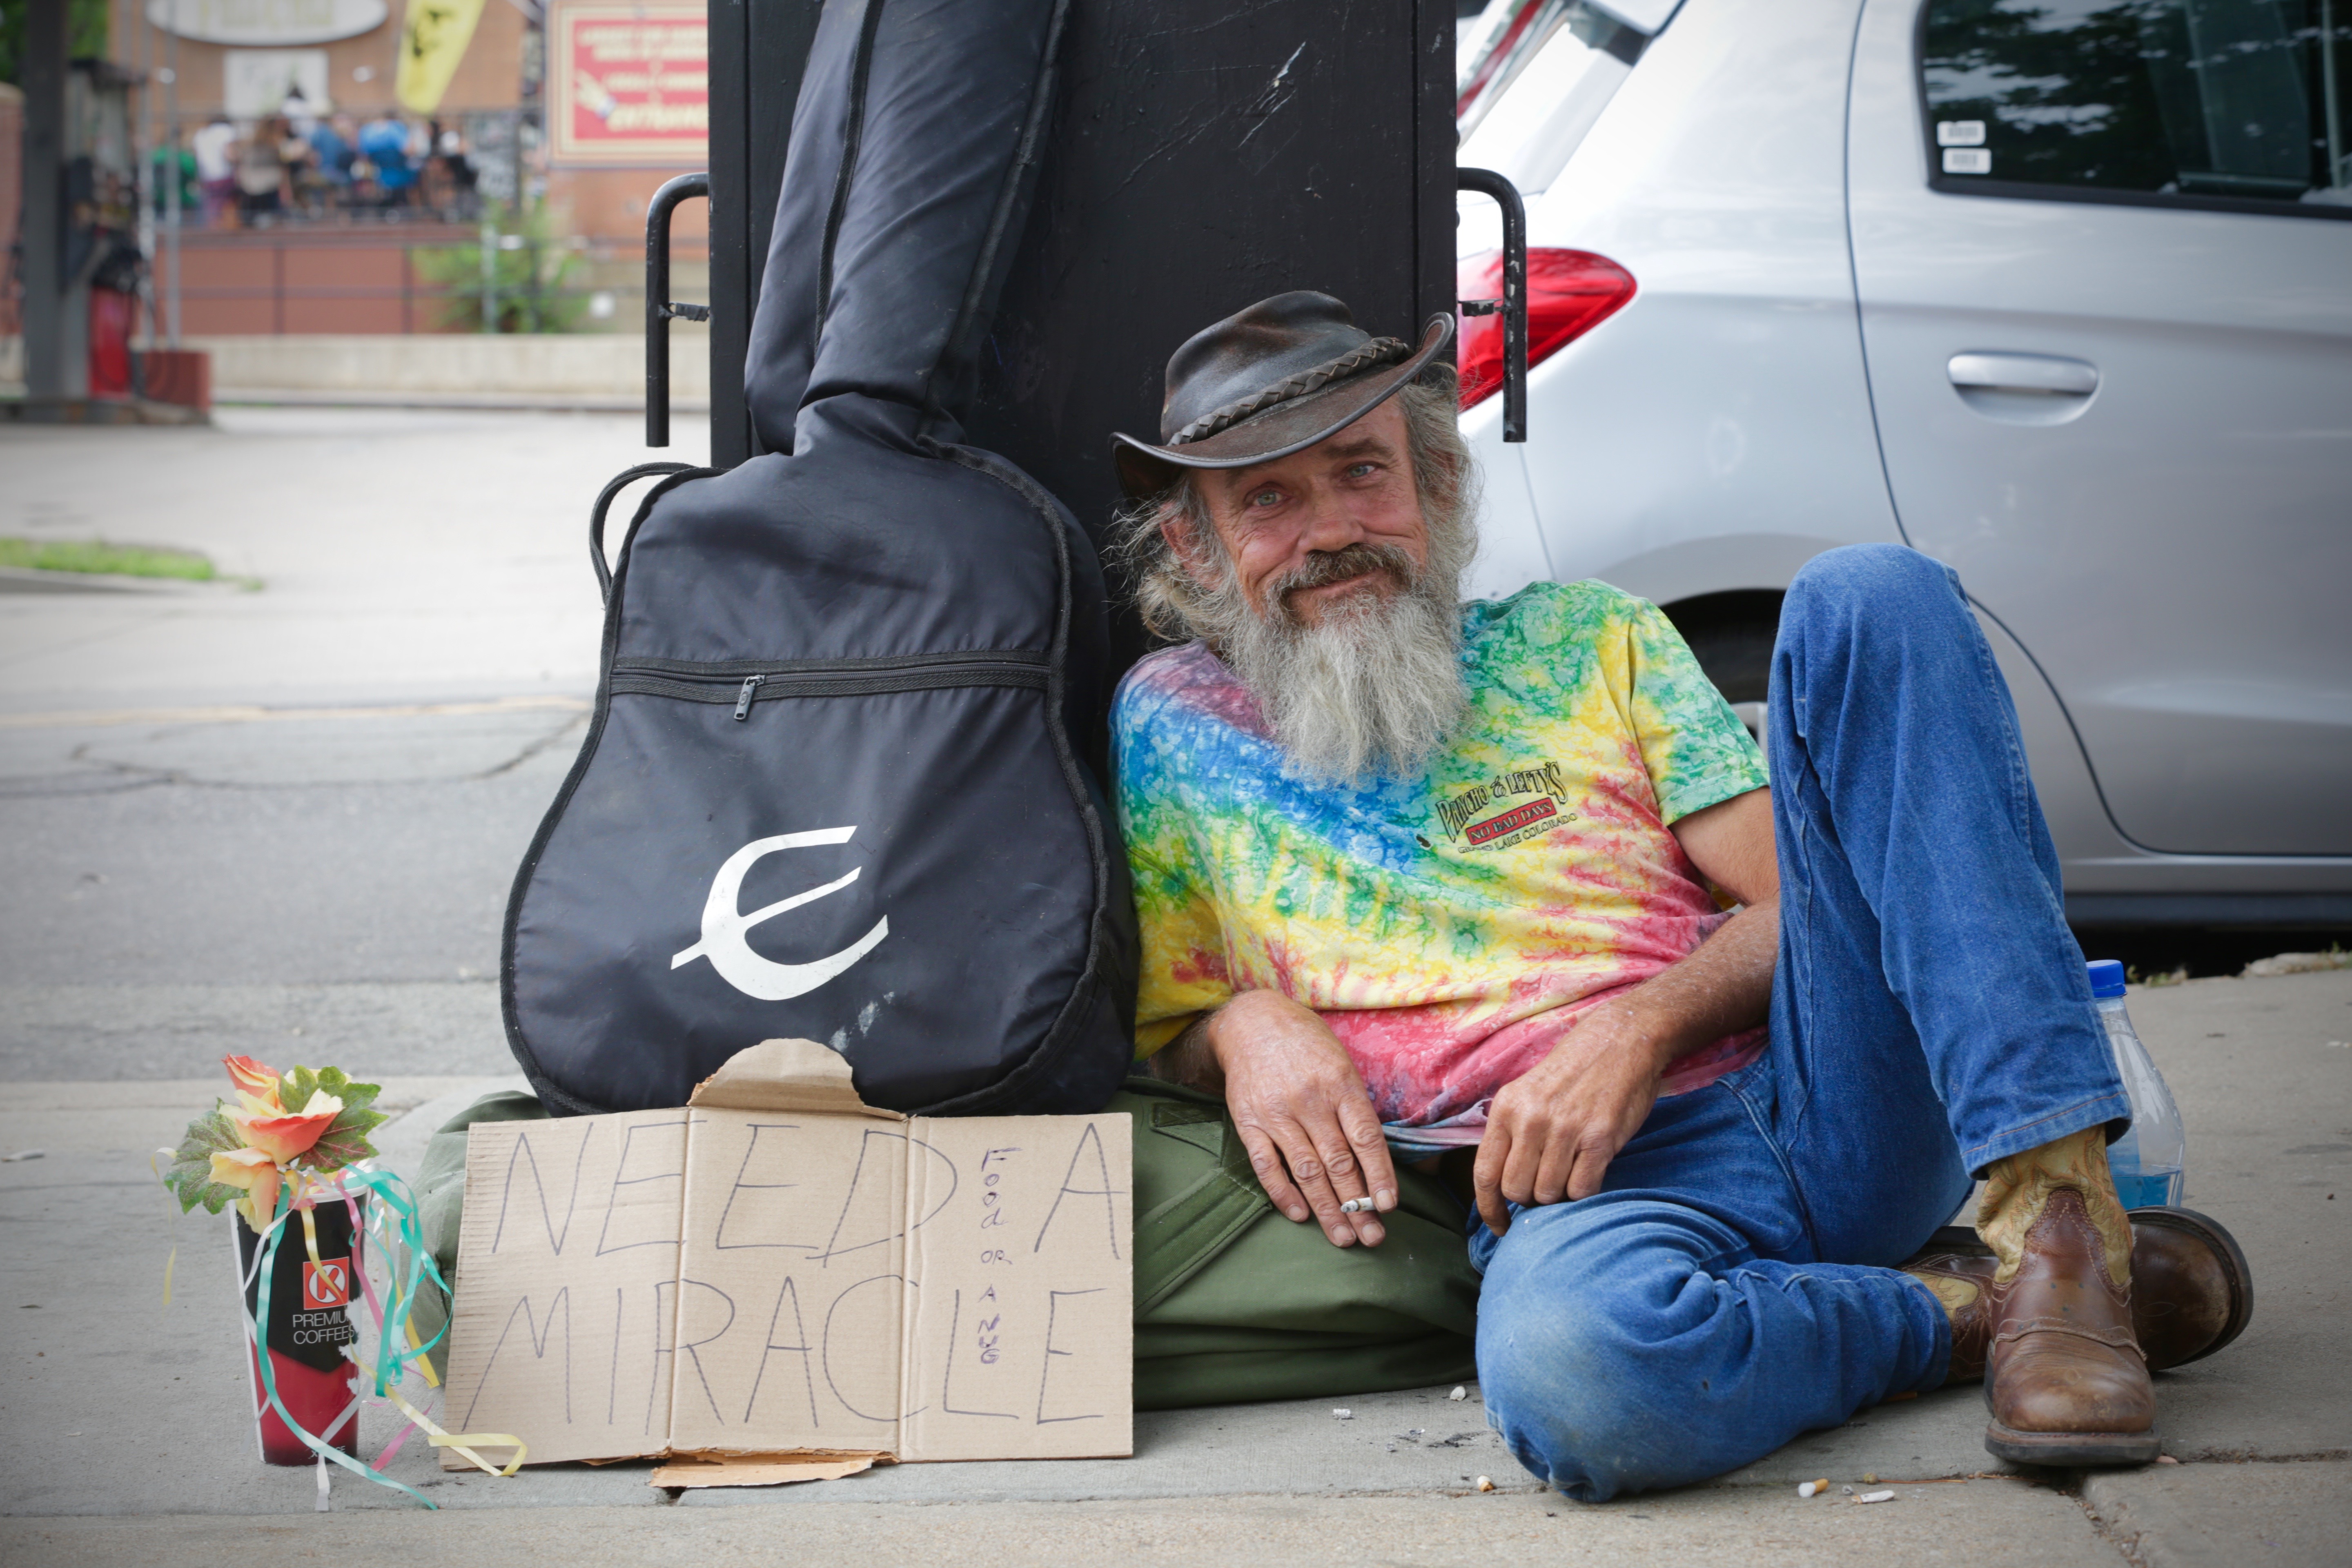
(1376, 684)
(1173, 605)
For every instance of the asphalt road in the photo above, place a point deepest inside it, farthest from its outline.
(230, 816)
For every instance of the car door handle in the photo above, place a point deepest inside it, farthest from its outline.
(2046, 373)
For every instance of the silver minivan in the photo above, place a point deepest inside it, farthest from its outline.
(2058, 291)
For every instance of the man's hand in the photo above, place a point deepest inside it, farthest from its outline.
(1308, 1125)
(1552, 1131)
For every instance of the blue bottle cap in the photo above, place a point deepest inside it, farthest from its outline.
(2106, 977)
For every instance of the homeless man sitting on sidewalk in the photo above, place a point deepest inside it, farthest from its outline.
(1418, 876)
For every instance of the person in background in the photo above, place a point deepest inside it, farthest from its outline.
(260, 175)
(167, 158)
(384, 142)
(215, 148)
(365, 190)
(331, 149)
(296, 112)
(463, 176)
(305, 187)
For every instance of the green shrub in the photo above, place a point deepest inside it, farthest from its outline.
(87, 30)
(528, 282)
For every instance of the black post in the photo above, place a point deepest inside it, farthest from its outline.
(659, 308)
(1435, 140)
(1201, 155)
(46, 339)
(730, 200)
(1486, 183)
(758, 49)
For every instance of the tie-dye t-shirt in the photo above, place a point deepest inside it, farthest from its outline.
(1450, 926)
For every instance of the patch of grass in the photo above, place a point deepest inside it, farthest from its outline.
(97, 555)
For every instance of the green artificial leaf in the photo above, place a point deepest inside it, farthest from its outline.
(354, 1096)
(191, 1175)
(344, 1141)
(209, 1134)
(294, 1090)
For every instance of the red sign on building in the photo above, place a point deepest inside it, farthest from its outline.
(628, 84)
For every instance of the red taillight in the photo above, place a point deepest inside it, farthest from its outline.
(1569, 292)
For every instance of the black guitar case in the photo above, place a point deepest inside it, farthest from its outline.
(837, 784)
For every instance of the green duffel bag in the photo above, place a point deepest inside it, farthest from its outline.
(440, 1192)
(1233, 1303)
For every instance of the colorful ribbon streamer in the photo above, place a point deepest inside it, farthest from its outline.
(391, 1219)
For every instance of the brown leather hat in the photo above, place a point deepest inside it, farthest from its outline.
(1273, 380)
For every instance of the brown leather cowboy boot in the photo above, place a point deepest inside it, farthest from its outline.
(2064, 1377)
(2192, 1290)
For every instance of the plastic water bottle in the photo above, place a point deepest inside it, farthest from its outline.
(2146, 1162)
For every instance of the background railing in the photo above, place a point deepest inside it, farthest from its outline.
(421, 277)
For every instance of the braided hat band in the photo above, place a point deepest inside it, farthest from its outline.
(1219, 412)
(1376, 352)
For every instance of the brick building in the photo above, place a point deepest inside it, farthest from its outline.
(333, 261)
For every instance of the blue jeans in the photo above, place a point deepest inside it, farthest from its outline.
(1731, 1286)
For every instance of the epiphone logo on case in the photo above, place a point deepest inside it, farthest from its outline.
(724, 923)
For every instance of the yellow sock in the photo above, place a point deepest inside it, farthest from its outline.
(2018, 1188)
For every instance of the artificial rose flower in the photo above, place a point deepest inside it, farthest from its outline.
(258, 1174)
(257, 1085)
(285, 1138)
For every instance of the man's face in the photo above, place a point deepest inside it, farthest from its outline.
(1333, 596)
(1289, 526)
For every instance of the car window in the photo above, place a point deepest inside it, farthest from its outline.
(1533, 76)
(2208, 103)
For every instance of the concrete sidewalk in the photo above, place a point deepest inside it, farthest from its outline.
(123, 1435)
(403, 556)
(571, 370)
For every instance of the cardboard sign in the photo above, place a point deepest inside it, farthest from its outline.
(780, 1269)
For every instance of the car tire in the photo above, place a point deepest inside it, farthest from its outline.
(1738, 659)
(1731, 635)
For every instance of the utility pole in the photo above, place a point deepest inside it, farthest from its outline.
(143, 153)
(172, 199)
(50, 368)
(489, 271)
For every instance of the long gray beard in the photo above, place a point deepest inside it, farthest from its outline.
(1376, 687)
